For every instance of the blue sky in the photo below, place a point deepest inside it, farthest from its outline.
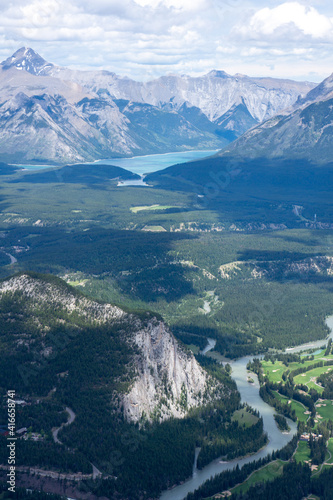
(144, 39)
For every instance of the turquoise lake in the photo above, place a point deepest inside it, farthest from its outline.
(143, 164)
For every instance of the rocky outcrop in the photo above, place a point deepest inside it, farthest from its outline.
(43, 294)
(321, 265)
(169, 381)
(162, 379)
(229, 270)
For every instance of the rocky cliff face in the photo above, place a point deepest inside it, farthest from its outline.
(169, 381)
(162, 379)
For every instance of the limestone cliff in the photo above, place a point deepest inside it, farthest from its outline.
(43, 316)
(169, 381)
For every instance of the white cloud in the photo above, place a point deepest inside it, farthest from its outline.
(290, 18)
(177, 4)
(146, 38)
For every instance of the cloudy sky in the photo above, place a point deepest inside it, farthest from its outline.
(144, 39)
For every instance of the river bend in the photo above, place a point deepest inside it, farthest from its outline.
(249, 394)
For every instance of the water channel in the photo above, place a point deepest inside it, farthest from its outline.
(249, 394)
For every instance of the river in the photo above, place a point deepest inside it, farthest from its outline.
(249, 394)
(13, 259)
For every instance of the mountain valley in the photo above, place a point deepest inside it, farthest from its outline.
(70, 116)
(127, 302)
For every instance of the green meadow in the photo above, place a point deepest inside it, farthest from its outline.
(303, 452)
(267, 473)
(309, 378)
(295, 405)
(244, 417)
(325, 409)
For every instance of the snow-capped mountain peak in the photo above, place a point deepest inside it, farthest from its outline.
(26, 59)
(67, 115)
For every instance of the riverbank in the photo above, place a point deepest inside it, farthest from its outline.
(250, 395)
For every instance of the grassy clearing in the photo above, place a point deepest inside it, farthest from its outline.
(151, 207)
(155, 229)
(78, 282)
(243, 417)
(326, 412)
(194, 348)
(267, 473)
(295, 366)
(295, 405)
(303, 452)
(274, 371)
(309, 378)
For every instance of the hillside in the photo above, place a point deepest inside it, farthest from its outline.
(118, 373)
(306, 132)
(89, 174)
(50, 313)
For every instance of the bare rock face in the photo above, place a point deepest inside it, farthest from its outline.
(165, 379)
(47, 295)
(169, 381)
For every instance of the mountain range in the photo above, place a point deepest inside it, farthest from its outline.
(283, 161)
(59, 115)
(306, 131)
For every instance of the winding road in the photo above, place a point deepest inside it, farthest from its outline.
(71, 418)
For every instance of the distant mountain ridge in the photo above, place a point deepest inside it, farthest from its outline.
(283, 162)
(305, 132)
(64, 116)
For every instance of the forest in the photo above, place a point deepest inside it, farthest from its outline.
(240, 267)
(91, 367)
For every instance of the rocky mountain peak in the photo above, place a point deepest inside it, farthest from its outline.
(26, 59)
(321, 92)
(183, 112)
(218, 74)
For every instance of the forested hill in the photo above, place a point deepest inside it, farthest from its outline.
(43, 323)
(286, 159)
(123, 375)
(80, 174)
(257, 190)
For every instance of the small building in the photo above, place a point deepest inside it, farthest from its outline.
(21, 431)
